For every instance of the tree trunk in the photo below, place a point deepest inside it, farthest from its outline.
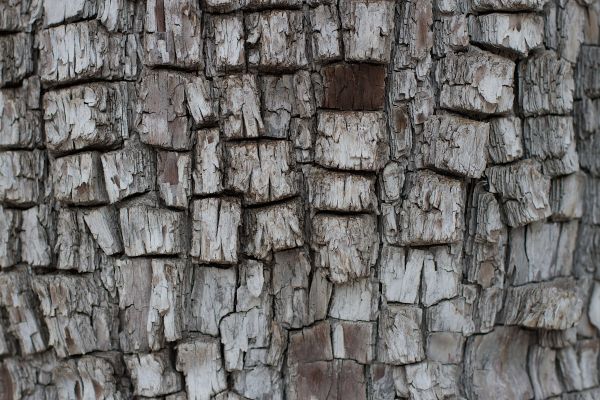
(299, 199)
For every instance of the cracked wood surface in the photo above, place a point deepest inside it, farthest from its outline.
(299, 199)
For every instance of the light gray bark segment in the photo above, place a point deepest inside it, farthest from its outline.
(299, 199)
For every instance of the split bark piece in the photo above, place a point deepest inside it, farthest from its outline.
(353, 86)
(211, 297)
(400, 276)
(506, 139)
(456, 145)
(524, 192)
(225, 45)
(95, 375)
(19, 15)
(95, 115)
(451, 34)
(208, 169)
(508, 5)
(78, 179)
(105, 55)
(542, 251)
(361, 42)
(20, 116)
(163, 115)
(37, 236)
(588, 134)
(215, 224)
(201, 100)
(285, 97)
(432, 210)
(340, 191)
(485, 247)
(276, 40)
(133, 281)
(153, 374)
(415, 37)
(442, 271)
(290, 281)
(149, 230)
(273, 228)
(79, 313)
(10, 243)
(250, 326)
(18, 301)
(497, 363)
(16, 53)
(325, 35)
(351, 141)
(549, 305)
(120, 15)
(400, 339)
(104, 227)
(454, 315)
(551, 140)
(539, 91)
(346, 246)
(432, 380)
(174, 178)
(476, 82)
(519, 33)
(261, 171)
(166, 303)
(21, 175)
(75, 247)
(128, 171)
(355, 301)
(172, 37)
(239, 105)
(199, 360)
(588, 82)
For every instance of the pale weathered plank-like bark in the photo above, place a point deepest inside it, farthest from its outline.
(20, 115)
(86, 50)
(87, 116)
(476, 82)
(173, 37)
(299, 199)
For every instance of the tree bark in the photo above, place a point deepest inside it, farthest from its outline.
(299, 199)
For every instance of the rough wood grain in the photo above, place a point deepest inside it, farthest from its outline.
(276, 40)
(173, 37)
(299, 199)
(351, 141)
(345, 246)
(78, 179)
(519, 33)
(455, 145)
(476, 82)
(162, 115)
(79, 313)
(215, 224)
(524, 192)
(87, 116)
(539, 92)
(85, 50)
(20, 115)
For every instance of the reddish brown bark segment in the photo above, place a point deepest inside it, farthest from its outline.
(354, 86)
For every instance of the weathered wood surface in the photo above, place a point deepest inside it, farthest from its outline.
(299, 199)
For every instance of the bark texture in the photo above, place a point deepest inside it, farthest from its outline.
(299, 199)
